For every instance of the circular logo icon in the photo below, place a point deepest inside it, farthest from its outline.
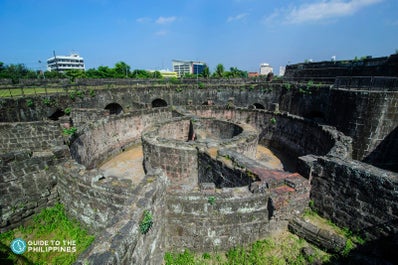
(18, 246)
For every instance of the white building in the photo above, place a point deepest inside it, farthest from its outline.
(282, 70)
(265, 69)
(188, 67)
(62, 63)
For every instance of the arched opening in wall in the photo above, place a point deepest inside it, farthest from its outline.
(315, 115)
(258, 106)
(56, 114)
(159, 103)
(114, 108)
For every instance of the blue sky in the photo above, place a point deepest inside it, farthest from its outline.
(148, 34)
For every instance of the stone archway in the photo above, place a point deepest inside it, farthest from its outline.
(56, 115)
(258, 106)
(159, 103)
(114, 108)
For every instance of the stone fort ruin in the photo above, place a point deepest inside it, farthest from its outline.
(203, 181)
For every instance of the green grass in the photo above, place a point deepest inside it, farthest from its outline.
(282, 249)
(50, 224)
(16, 92)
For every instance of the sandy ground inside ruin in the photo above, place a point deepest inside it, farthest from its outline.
(128, 165)
(266, 157)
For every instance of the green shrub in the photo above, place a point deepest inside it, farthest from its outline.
(29, 103)
(47, 101)
(146, 222)
(69, 131)
(211, 200)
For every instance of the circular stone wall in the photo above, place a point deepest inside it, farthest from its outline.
(173, 145)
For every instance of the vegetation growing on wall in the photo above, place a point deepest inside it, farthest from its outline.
(146, 222)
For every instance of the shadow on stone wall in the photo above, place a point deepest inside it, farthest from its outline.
(385, 155)
(377, 252)
(5, 252)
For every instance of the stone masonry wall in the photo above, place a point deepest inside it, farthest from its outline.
(89, 196)
(293, 134)
(366, 116)
(80, 116)
(109, 136)
(236, 217)
(356, 195)
(28, 184)
(121, 242)
(35, 136)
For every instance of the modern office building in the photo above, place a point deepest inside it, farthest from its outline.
(62, 63)
(166, 73)
(265, 69)
(188, 67)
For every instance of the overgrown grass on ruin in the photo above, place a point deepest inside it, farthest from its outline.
(282, 249)
(352, 239)
(51, 224)
(16, 92)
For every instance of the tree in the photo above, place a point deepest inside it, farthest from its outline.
(219, 71)
(72, 74)
(105, 72)
(157, 75)
(137, 73)
(121, 70)
(206, 72)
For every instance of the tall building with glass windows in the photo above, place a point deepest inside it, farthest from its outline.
(62, 63)
(188, 67)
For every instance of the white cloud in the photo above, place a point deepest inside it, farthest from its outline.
(165, 20)
(237, 17)
(143, 20)
(321, 10)
(161, 33)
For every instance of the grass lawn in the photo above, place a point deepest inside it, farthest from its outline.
(281, 249)
(16, 92)
(50, 224)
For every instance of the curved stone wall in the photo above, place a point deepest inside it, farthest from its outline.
(172, 145)
(290, 134)
(234, 217)
(107, 137)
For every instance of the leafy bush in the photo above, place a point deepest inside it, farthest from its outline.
(69, 131)
(146, 222)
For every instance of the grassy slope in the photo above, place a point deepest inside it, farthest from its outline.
(50, 224)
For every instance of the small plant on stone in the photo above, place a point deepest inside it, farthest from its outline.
(273, 120)
(211, 200)
(92, 93)
(146, 222)
(47, 101)
(80, 93)
(72, 95)
(29, 103)
(67, 111)
(69, 131)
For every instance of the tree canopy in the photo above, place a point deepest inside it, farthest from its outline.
(120, 70)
